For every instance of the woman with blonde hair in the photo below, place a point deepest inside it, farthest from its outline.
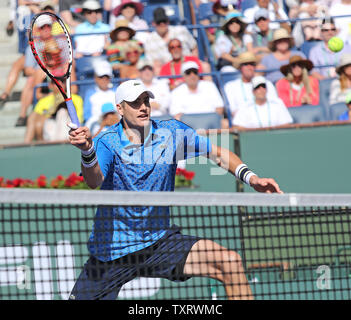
(339, 88)
(132, 53)
(298, 87)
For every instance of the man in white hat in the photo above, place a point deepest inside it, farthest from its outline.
(195, 95)
(263, 111)
(239, 92)
(93, 44)
(141, 154)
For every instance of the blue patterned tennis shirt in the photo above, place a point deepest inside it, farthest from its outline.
(150, 166)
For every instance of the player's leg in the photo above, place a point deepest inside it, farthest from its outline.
(209, 259)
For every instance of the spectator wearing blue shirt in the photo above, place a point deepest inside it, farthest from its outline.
(92, 44)
(139, 154)
(346, 115)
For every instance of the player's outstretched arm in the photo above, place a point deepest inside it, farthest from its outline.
(82, 139)
(232, 163)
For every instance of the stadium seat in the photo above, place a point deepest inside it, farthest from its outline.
(172, 12)
(307, 46)
(324, 91)
(307, 114)
(205, 11)
(228, 76)
(247, 4)
(336, 110)
(202, 120)
(163, 117)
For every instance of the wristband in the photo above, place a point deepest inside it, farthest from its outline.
(243, 173)
(89, 158)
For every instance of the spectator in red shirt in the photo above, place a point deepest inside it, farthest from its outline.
(298, 87)
(173, 67)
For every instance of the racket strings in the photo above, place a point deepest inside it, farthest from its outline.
(52, 45)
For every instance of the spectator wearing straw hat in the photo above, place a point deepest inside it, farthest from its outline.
(263, 111)
(339, 88)
(232, 41)
(281, 47)
(195, 95)
(131, 10)
(120, 36)
(156, 46)
(298, 87)
(239, 91)
(159, 87)
(275, 13)
(93, 44)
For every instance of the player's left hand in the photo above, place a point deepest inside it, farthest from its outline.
(266, 185)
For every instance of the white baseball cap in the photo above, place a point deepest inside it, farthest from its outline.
(189, 65)
(43, 20)
(91, 5)
(102, 68)
(130, 91)
(256, 81)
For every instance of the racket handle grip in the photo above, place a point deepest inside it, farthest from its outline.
(72, 112)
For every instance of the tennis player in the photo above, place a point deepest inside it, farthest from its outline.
(140, 154)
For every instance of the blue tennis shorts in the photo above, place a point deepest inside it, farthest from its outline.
(164, 259)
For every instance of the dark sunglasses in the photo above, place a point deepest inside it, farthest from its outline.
(91, 11)
(161, 21)
(104, 76)
(261, 19)
(146, 68)
(249, 64)
(175, 47)
(326, 30)
(132, 52)
(262, 85)
(190, 71)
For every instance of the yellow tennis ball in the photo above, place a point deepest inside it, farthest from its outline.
(335, 44)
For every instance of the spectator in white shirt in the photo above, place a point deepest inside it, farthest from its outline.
(100, 94)
(159, 87)
(343, 8)
(264, 111)
(239, 92)
(275, 13)
(195, 95)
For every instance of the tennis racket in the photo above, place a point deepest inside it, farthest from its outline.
(51, 45)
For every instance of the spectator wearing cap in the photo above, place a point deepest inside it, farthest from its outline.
(195, 95)
(120, 36)
(239, 91)
(298, 87)
(101, 93)
(156, 46)
(263, 111)
(71, 13)
(159, 87)
(346, 116)
(321, 55)
(275, 13)
(281, 47)
(232, 41)
(132, 55)
(339, 88)
(173, 67)
(92, 44)
(131, 10)
(109, 117)
(262, 34)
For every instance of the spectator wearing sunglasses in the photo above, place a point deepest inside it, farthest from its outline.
(321, 55)
(159, 87)
(156, 46)
(195, 95)
(132, 55)
(263, 112)
(173, 67)
(239, 91)
(92, 44)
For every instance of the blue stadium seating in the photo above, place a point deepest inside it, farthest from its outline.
(324, 91)
(307, 114)
(307, 46)
(336, 110)
(204, 11)
(248, 4)
(202, 120)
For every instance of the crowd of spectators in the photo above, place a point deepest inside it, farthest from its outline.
(274, 52)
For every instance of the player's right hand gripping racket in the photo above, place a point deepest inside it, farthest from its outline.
(51, 45)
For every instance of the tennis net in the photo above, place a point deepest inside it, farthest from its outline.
(292, 246)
